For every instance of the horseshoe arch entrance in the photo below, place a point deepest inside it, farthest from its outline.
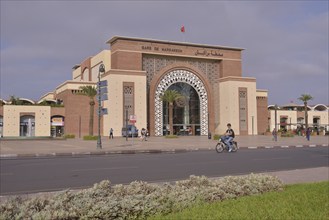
(181, 76)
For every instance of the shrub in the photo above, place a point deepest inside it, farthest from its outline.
(90, 138)
(67, 136)
(138, 200)
(287, 134)
(216, 137)
(171, 136)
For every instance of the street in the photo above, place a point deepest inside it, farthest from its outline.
(20, 176)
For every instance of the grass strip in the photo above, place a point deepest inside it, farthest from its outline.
(299, 201)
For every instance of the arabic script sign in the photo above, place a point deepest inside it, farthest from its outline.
(208, 53)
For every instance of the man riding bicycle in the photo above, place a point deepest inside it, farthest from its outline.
(228, 137)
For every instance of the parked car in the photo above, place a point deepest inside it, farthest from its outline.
(132, 131)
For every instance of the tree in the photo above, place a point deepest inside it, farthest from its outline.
(15, 100)
(91, 92)
(171, 96)
(305, 98)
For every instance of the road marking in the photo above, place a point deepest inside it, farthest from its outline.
(269, 147)
(284, 146)
(8, 155)
(202, 163)
(312, 145)
(276, 158)
(299, 146)
(252, 147)
(105, 168)
(6, 174)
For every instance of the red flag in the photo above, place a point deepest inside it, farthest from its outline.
(182, 29)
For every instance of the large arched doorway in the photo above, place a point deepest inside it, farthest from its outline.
(192, 117)
(186, 112)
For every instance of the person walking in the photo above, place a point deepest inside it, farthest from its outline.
(143, 134)
(275, 135)
(111, 134)
(308, 133)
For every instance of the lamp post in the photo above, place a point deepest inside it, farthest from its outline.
(99, 141)
(126, 107)
(252, 124)
(275, 121)
(209, 133)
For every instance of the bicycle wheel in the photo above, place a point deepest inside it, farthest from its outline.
(219, 147)
(234, 147)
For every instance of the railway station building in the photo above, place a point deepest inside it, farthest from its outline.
(138, 71)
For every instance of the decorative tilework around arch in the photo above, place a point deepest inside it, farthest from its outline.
(185, 77)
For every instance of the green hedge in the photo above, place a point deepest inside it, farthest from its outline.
(90, 138)
(216, 137)
(68, 136)
(171, 136)
(287, 134)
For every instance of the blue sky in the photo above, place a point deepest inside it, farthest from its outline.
(286, 42)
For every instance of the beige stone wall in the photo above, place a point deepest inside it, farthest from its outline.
(72, 85)
(103, 57)
(323, 115)
(229, 104)
(114, 119)
(11, 119)
(48, 96)
(76, 74)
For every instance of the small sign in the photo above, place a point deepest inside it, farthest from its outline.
(104, 111)
(103, 97)
(102, 90)
(132, 118)
(102, 83)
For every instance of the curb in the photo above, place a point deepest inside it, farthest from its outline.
(288, 146)
(151, 151)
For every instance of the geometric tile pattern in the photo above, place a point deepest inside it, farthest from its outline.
(185, 77)
(153, 64)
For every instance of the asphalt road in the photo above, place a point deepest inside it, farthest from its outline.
(20, 176)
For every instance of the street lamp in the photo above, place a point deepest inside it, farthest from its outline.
(126, 107)
(275, 121)
(209, 133)
(99, 141)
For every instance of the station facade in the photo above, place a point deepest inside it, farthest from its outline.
(138, 71)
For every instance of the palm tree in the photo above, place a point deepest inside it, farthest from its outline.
(170, 96)
(15, 100)
(305, 98)
(91, 92)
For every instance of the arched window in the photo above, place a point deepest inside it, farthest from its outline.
(85, 75)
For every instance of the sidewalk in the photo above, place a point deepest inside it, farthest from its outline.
(75, 147)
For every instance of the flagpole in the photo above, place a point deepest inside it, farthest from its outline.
(182, 30)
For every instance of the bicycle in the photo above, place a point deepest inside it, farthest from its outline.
(221, 146)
